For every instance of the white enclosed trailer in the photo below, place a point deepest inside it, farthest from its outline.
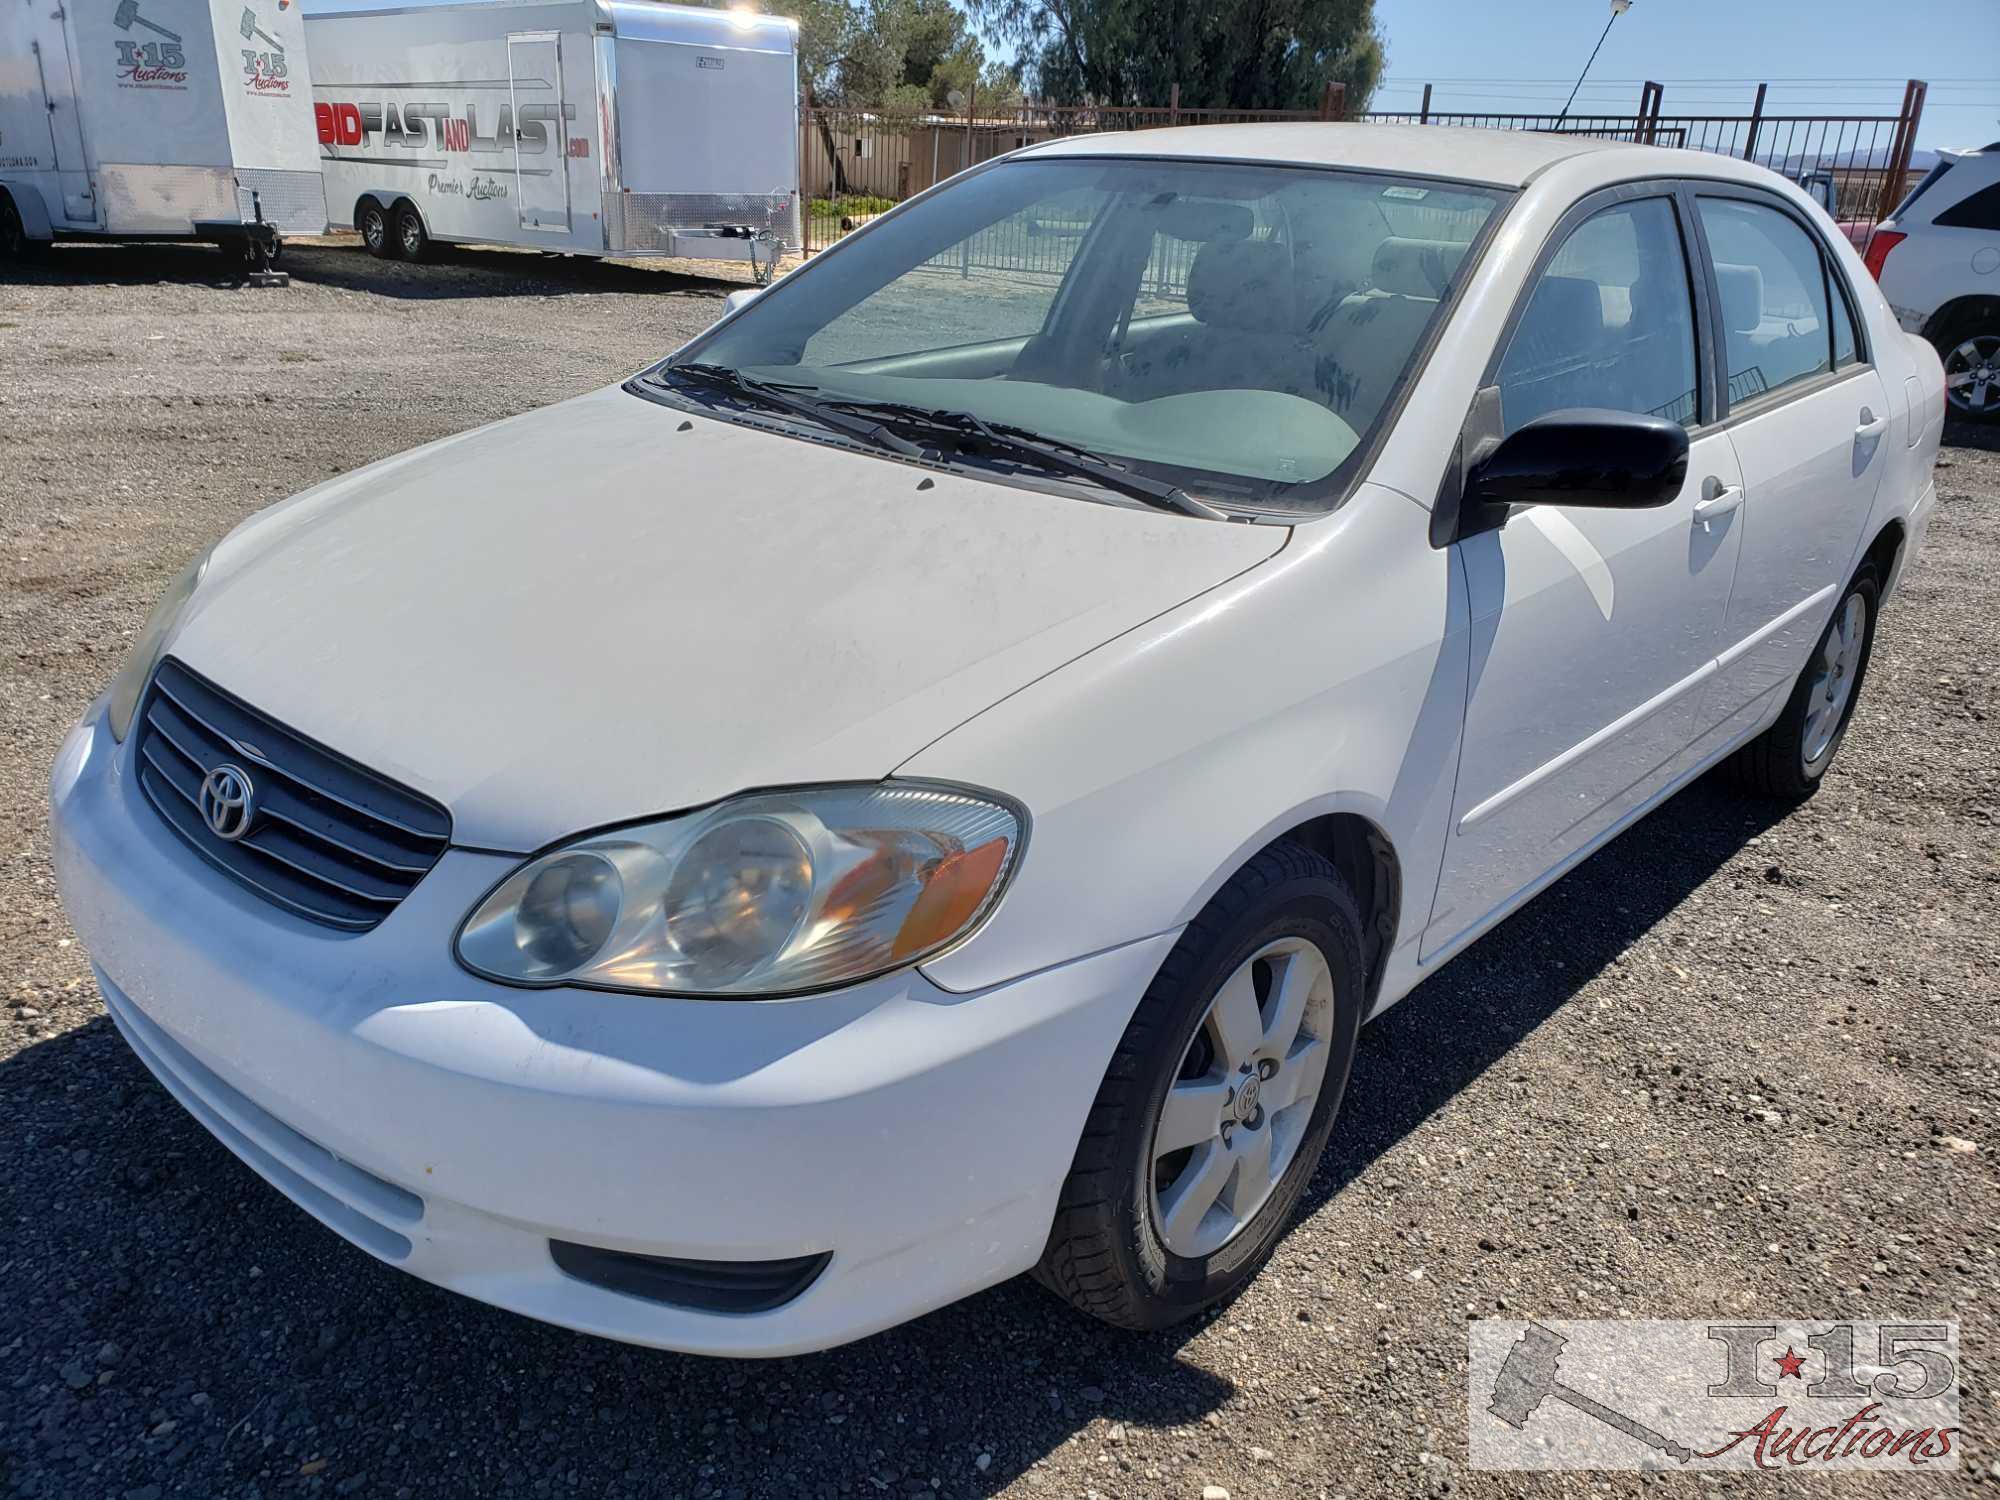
(592, 127)
(143, 119)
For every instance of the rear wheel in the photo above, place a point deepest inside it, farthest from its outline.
(1970, 349)
(372, 219)
(1788, 759)
(1218, 1101)
(413, 243)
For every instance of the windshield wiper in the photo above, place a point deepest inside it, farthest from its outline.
(792, 399)
(1051, 453)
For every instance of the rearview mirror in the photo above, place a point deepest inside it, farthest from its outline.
(1585, 456)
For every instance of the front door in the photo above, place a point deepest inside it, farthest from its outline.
(56, 75)
(1810, 420)
(541, 139)
(1593, 630)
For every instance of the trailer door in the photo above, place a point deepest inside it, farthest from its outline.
(541, 140)
(57, 76)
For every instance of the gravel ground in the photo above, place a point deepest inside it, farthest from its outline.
(1736, 1062)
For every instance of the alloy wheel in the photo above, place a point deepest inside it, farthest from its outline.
(1242, 1098)
(1832, 683)
(1972, 375)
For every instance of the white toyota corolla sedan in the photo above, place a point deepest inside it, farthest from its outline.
(927, 782)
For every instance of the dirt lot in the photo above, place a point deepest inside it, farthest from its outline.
(1735, 1063)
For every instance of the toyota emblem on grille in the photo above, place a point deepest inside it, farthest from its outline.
(228, 802)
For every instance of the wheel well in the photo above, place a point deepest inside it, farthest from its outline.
(1981, 310)
(1366, 859)
(410, 203)
(1884, 550)
(362, 202)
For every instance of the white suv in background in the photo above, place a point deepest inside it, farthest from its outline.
(1938, 261)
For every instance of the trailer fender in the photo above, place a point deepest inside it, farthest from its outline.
(388, 197)
(28, 204)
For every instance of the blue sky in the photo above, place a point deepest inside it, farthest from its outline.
(1822, 57)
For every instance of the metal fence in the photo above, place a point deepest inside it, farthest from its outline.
(856, 163)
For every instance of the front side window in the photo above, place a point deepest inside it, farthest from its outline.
(1774, 312)
(1610, 323)
(1234, 329)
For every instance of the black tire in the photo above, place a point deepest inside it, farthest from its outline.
(15, 245)
(372, 220)
(1968, 343)
(1105, 1253)
(1775, 764)
(413, 241)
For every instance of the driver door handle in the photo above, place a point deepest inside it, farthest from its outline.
(1722, 499)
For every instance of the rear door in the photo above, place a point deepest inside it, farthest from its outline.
(541, 140)
(1809, 418)
(56, 76)
(1593, 631)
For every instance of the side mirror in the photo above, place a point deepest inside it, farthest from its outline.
(1585, 456)
(741, 297)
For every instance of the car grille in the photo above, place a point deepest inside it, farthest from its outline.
(326, 839)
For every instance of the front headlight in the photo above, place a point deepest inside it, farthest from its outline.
(772, 894)
(146, 650)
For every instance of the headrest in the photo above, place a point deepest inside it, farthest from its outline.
(1416, 268)
(1742, 295)
(1569, 309)
(1244, 286)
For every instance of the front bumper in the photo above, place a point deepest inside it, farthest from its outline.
(454, 1127)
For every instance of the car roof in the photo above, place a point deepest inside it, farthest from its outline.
(1500, 158)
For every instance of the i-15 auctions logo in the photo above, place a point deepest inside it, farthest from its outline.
(1769, 1394)
(264, 70)
(154, 61)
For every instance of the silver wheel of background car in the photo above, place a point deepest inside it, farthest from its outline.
(1242, 1098)
(1972, 375)
(1833, 676)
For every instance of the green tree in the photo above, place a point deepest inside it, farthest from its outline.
(1224, 54)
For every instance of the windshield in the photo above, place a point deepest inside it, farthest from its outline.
(1233, 330)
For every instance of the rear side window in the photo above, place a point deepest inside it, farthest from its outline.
(1773, 290)
(1981, 210)
(1610, 323)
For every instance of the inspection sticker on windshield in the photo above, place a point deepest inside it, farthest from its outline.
(1412, 193)
(1780, 1395)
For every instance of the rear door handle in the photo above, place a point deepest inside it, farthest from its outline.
(1871, 425)
(1720, 503)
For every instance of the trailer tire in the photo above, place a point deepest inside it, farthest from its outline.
(16, 244)
(413, 241)
(372, 220)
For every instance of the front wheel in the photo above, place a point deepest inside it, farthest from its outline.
(1788, 759)
(15, 244)
(1218, 1101)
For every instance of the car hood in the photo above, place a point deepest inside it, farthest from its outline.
(609, 609)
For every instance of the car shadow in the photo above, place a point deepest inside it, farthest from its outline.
(276, 1349)
(1472, 1013)
(451, 272)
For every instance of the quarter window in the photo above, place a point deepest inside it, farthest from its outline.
(1610, 323)
(1773, 293)
(1980, 210)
